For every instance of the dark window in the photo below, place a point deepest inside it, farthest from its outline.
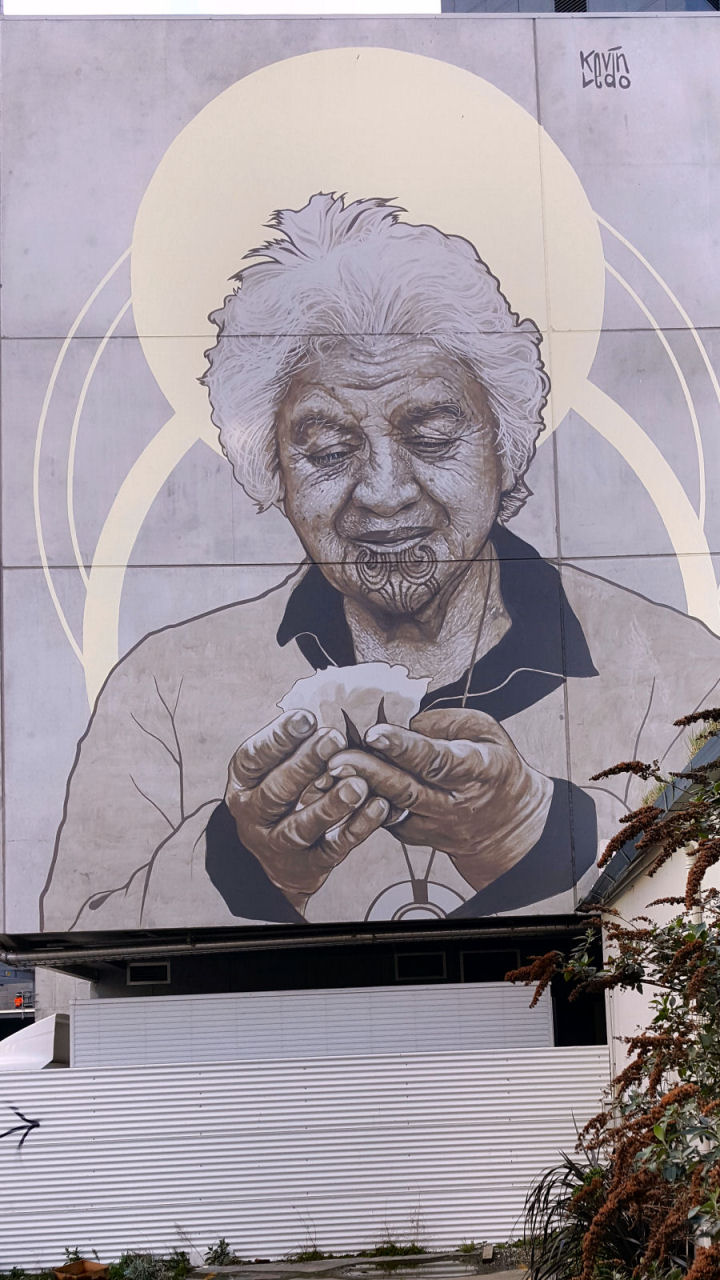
(420, 966)
(487, 966)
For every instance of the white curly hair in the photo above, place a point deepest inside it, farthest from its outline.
(342, 271)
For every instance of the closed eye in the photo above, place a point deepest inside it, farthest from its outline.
(432, 446)
(331, 456)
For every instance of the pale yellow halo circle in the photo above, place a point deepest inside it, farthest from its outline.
(451, 148)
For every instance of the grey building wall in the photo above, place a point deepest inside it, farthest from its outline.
(580, 161)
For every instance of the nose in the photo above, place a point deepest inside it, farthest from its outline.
(386, 483)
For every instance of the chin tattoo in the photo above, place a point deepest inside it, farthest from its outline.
(404, 580)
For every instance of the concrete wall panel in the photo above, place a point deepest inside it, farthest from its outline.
(383, 402)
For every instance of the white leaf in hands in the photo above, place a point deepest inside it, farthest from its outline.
(361, 692)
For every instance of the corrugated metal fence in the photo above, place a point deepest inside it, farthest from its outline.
(340, 1022)
(272, 1154)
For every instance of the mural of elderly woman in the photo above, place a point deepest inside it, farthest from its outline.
(371, 380)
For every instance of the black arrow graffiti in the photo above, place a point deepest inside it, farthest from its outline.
(25, 1128)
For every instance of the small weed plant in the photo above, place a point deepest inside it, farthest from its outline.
(19, 1273)
(393, 1249)
(150, 1266)
(221, 1254)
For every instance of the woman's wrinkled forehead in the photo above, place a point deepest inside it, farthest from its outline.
(387, 376)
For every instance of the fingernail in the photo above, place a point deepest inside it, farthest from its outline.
(352, 791)
(302, 722)
(342, 771)
(377, 808)
(376, 738)
(330, 745)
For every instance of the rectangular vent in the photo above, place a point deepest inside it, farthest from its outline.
(141, 973)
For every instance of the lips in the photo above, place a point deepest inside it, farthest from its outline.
(394, 537)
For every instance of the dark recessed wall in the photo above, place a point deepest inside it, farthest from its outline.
(578, 6)
(379, 963)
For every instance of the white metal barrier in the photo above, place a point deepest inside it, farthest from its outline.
(439, 1147)
(330, 1023)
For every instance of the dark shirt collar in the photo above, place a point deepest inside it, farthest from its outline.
(543, 645)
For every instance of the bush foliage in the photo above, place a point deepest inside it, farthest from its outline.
(641, 1199)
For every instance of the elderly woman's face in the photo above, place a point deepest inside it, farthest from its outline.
(391, 476)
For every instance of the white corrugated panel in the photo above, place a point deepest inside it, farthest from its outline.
(343, 1151)
(306, 1024)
